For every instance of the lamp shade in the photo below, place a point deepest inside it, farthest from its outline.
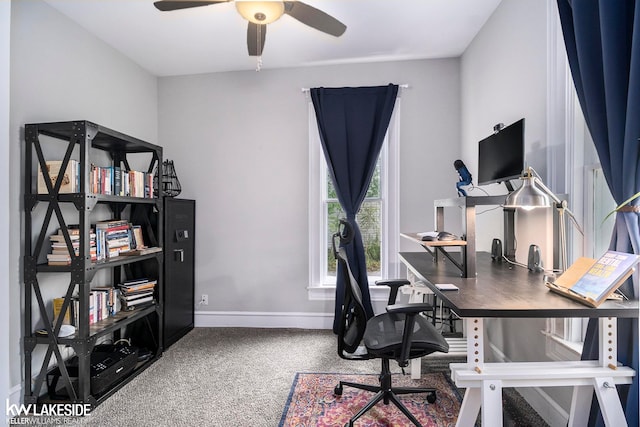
(260, 12)
(528, 196)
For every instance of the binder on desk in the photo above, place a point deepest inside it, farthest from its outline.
(591, 281)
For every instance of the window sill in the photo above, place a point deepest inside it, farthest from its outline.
(557, 348)
(328, 293)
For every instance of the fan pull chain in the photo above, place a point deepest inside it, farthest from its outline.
(258, 39)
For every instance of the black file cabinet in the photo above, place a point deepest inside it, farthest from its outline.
(179, 255)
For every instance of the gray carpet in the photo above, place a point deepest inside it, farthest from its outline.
(236, 377)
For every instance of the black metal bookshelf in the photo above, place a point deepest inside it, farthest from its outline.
(84, 140)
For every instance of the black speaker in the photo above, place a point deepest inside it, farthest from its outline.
(496, 250)
(534, 261)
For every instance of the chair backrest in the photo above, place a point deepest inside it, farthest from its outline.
(353, 318)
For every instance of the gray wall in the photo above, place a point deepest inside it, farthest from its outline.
(240, 145)
(5, 349)
(61, 72)
(504, 79)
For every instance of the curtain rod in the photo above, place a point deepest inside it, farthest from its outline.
(402, 86)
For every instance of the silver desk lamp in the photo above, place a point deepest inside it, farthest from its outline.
(534, 194)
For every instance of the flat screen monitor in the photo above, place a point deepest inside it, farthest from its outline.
(501, 155)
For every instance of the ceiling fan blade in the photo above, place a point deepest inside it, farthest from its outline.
(256, 34)
(169, 5)
(315, 18)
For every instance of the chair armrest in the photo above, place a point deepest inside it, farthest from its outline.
(410, 311)
(394, 284)
(413, 308)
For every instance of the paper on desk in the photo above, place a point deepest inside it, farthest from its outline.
(446, 286)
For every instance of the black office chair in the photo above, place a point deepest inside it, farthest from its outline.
(400, 334)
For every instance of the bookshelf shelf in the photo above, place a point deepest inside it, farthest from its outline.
(103, 327)
(99, 198)
(108, 263)
(84, 144)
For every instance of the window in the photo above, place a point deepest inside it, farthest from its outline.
(378, 217)
(574, 169)
(369, 220)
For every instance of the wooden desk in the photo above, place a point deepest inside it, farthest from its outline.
(501, 290)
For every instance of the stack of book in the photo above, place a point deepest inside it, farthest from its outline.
(137, 293)
(113, 237)
(60, 254)
(109, 180)
(102, 304)
(113, 180)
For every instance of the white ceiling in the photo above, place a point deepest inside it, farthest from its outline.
(213, 38)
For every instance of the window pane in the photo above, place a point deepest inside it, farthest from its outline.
(603, 203)
(372, 192)
(369, 222)
(374, 187)
(331, 191)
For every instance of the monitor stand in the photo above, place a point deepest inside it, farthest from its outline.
(509, 228)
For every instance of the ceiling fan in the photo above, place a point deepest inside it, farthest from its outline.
(261, 13)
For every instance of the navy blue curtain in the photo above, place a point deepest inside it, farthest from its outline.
(602, 39)
(353, 122)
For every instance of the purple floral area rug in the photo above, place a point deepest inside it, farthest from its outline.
(312, 402)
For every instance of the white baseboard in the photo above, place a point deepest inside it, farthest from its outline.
(548, 409)
(552, 413)
(249, 319)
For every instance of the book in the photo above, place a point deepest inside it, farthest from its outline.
(127, 288)
(138, 238)
(143, 251)
(57, 309)
(70, 179)
(133, 296)
(139, 303)
(591, 281)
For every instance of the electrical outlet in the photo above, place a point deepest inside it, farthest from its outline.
(204, 300)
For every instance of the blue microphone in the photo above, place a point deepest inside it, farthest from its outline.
(465, 177)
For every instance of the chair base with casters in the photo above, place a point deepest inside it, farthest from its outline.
(387, 393)
(399, 334)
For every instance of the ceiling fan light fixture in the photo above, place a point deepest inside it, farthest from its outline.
(260, 12)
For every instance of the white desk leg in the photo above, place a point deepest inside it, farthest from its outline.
(609, 400)
(416, 368)
(608, 341)
(580, 404)
(416, 364)
(492, 403)
(474, 397)
(470, 408)
(475, 343)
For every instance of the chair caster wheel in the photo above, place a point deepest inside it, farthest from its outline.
(431, 397)
(338, 390)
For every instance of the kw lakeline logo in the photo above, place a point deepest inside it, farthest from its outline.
(57, 413)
